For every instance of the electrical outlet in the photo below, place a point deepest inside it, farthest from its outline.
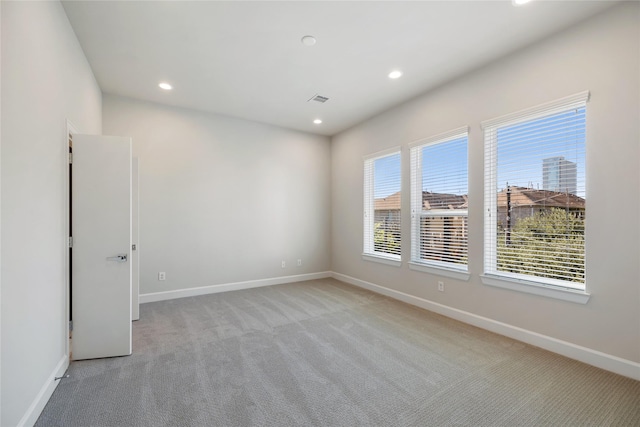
(284, 264)
(441, 286)
(162, 275)
(299, 262)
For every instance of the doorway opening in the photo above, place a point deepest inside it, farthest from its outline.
(71, 130)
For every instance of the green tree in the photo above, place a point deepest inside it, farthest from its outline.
(548, 244)
(386, 237)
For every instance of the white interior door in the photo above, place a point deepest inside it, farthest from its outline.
(101, 253)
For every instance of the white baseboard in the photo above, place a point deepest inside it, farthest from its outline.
(225, 287)
(586, 355)
(35, 409)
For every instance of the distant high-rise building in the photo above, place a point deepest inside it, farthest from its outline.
(559, 174)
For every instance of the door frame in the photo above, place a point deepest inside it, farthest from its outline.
(71, 130)
(135, 238)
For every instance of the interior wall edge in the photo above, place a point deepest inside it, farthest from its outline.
(226, 287)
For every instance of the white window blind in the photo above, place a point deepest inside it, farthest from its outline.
(535, 194)
(439, 204)
(382, 204)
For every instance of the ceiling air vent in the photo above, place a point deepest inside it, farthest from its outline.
(318, 98)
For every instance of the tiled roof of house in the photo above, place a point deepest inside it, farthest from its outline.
(521, 196)
(443, 201)
(429, 201)
(389, 203)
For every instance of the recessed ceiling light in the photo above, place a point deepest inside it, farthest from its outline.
(317, 121)
(395, 74)
(165, 86)
(308, 40)
(520, 2)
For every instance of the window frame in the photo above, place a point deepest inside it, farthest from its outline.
(443, 268)
(553, 288)
(368, 248)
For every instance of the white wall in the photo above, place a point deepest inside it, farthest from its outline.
(600, 55)
(45, 80)
(223, 200)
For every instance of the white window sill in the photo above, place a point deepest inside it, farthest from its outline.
(536, 288)
(440, 271)
(396, 262)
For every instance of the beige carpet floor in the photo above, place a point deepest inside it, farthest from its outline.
(323, 353)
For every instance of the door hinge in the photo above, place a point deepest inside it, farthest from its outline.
(70, 158)
(70, 241)
(71, 325)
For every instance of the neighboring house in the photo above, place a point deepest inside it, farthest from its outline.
(525, 202)
(387, 210)
(443, 201)
(442, 237)
(442, 234)
(389, 207)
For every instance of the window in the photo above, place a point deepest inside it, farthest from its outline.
(535, 195)
(439, 201)
(382, 207)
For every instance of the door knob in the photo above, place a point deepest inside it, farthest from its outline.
(118, 258)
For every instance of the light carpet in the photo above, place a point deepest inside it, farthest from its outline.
(324, 353)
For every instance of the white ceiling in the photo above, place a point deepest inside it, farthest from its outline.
(245, 59)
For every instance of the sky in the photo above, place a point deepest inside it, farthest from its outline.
(444, 167)
(386, 176)
(520, 156)
(520, 153)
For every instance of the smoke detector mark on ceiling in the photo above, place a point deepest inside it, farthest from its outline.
(318, 98)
